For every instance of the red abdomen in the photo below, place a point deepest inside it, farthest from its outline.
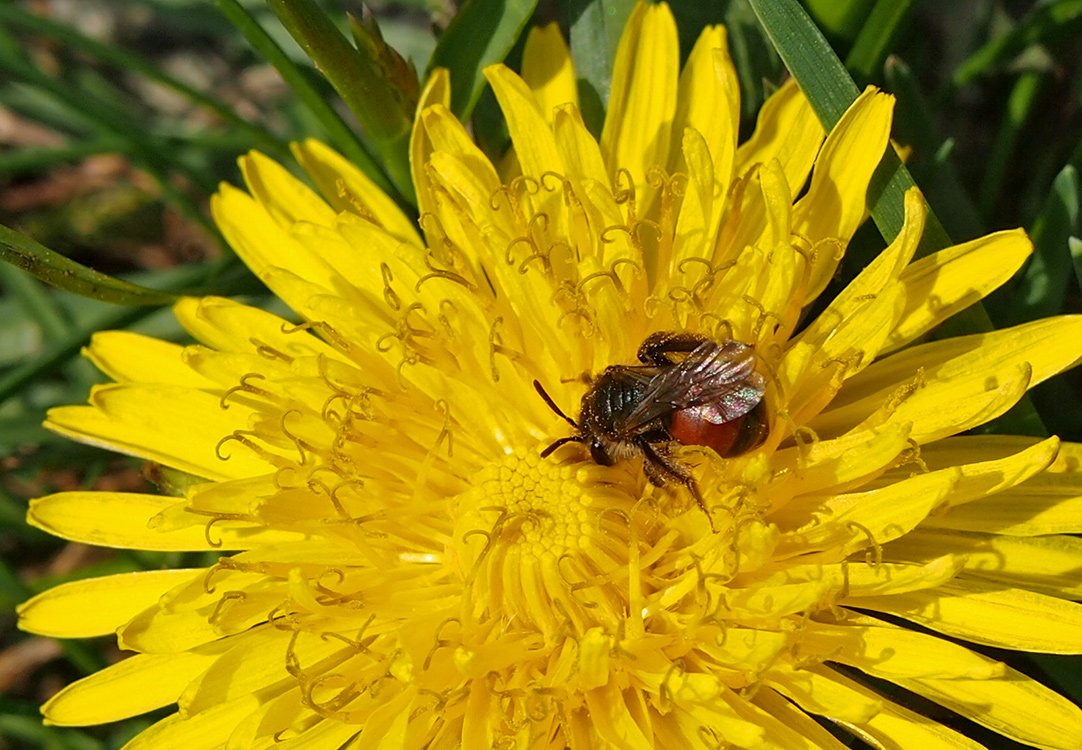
(690, 427)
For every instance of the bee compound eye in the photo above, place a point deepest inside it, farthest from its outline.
(599, 454)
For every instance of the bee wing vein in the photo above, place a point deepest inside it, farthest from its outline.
(721, 377)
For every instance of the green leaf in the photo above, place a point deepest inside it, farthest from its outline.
(877, 34)
(595, 29)
(339, 133)
(480, 34)
(54, 269)
(384, 110)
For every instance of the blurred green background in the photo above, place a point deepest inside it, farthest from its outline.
(119, 118)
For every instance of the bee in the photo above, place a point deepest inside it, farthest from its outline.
(688, 390)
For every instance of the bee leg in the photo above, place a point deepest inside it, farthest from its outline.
(661, 467)
(657, 346)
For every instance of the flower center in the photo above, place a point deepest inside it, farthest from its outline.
(540, 539)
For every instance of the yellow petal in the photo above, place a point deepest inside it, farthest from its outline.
(885, 269)
(989, 613)
(708, 101)
(984, 479)
(942, 376)
(816, 693)
(578, 148)
(832, 210)
(261, 242)
(128, 688)
(891, 652)
(244, 669)
(971, 449)
(437, 90)
(613, 723)
(347, 188)
(1013, 705)
(384, 729)
(230, 326)
(787, 130)
(97, 606)
(286, 199)
(132, 357)
(958, 405)
(810, 734)
(987, 478)
(548, 71)
(951, 280)
(835, 463)
(530, 133)
(1049, 346)
(1044, 564)
(776, 732)
(693, 224)
(177, 427)
(217, 604)
(206, 731)
(884, 578)
(448, 136)
(1050, 503)
(898, 728)
(132, 521)
(811, 373)
(642, 98)
(846, 523)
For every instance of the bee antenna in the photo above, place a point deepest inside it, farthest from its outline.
(552, 405)
(557, 443)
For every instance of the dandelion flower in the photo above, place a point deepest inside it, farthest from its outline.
(400, 568)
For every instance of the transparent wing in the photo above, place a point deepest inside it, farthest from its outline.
(718, 378)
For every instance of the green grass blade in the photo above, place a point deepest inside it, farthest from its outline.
(876, 37)
(480, 34)
(340, 134)
(63, 273)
